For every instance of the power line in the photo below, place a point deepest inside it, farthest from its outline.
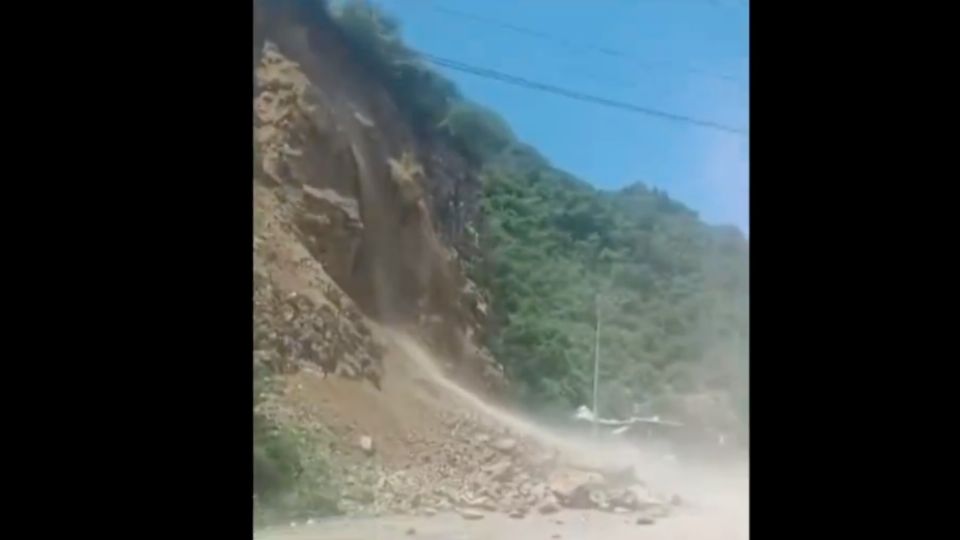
(520, 81)
(573, 94)
(613, 53)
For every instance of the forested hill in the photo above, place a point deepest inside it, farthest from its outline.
(673, 291)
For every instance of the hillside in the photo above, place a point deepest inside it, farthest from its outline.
(674, 292)
(424, 284)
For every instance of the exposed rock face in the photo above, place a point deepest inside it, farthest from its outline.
(332, 230)
(386, 213)
(292, 329)
(407, 176)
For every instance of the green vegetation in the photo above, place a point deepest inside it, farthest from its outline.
(673, 291)
(290, 476)
(374, 36)
(432, 104)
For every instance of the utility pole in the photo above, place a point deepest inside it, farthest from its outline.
(596, 365)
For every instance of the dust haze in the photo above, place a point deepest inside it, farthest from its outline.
(716, 489)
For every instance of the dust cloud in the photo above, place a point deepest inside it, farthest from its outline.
(710, 488)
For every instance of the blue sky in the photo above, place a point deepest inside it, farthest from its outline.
(679, 55)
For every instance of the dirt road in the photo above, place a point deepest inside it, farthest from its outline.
(569, 525)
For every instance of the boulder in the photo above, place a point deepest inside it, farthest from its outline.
(624, 498)
(500, 471)
(366, 444)
(573, 488)
(598, 499)
(549, 506)
(505, 444)
(467, 513)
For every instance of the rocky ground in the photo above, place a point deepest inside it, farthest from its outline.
(293, 329)
(408, 448)
(481, 469)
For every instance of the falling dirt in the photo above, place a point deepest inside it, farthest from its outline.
(579, 451)
(575, 448)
